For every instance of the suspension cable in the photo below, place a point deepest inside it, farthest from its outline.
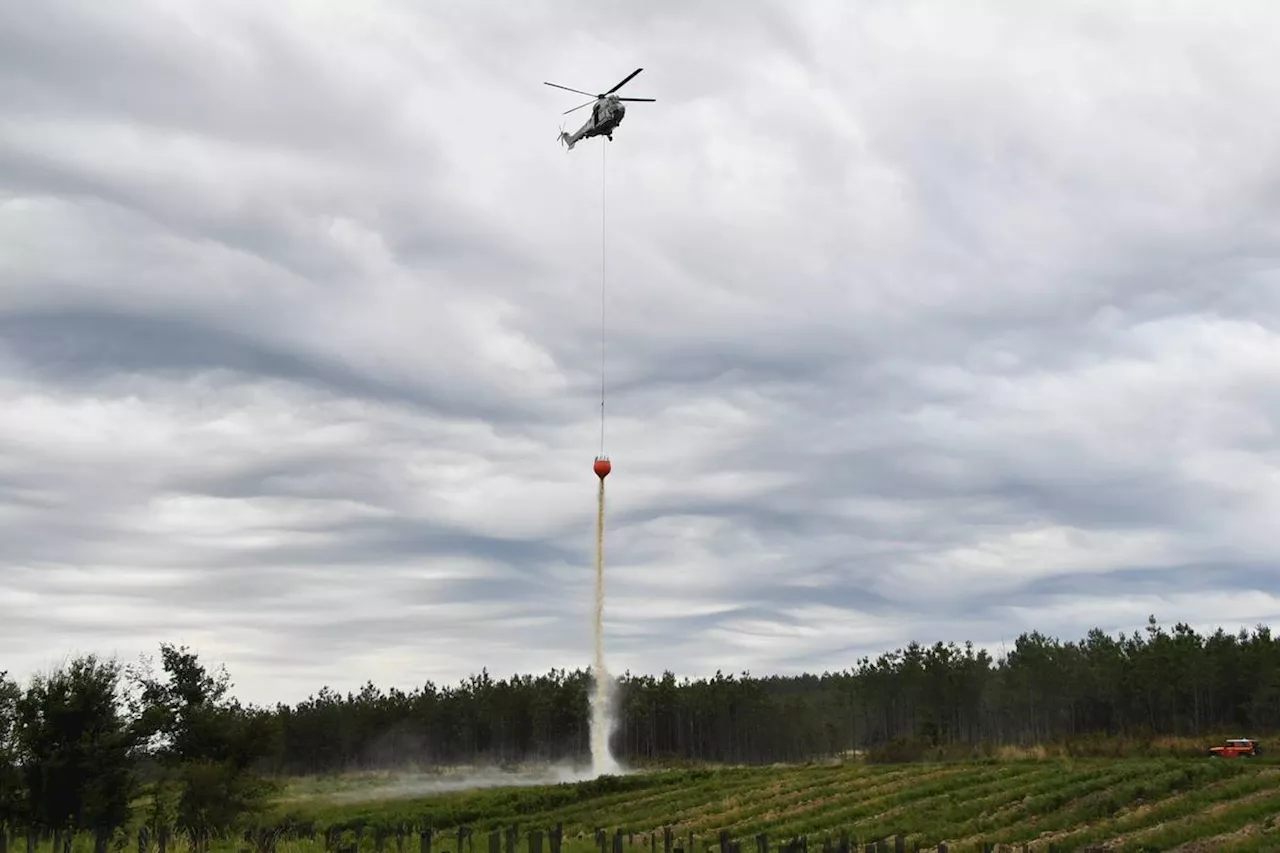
(603, 259)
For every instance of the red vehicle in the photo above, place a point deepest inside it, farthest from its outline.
(1237, 747)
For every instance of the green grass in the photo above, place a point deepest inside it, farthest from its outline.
(1142, 804)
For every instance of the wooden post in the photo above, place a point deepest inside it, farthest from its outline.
(557, 835)
(495, 841)
(899, 843)
(666, 839)
(617, 841)
(424, 839)
(535, 841)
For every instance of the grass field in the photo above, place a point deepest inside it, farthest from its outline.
(1129, 804)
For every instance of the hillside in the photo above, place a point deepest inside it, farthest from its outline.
(1133, 804)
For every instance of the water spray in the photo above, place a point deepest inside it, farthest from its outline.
(602, 722)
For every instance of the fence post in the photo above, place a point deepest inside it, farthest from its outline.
(424, 840)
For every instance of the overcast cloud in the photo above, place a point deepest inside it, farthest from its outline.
(922, 323)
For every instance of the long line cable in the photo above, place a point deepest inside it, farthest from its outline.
(604, 255)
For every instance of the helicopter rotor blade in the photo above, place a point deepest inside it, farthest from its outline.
(578, 107)
(637, 99)
(566, 88)
(624, 81)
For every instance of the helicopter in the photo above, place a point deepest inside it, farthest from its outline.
(606, 114)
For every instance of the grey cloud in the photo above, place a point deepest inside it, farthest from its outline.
(81, 347)
(1227, 575)
(918, 328)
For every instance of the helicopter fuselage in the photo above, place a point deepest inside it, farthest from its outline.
(606, 114)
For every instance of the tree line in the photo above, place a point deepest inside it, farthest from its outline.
(76, 744)
(1140, 685)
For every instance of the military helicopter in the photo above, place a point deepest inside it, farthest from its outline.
(606, 114)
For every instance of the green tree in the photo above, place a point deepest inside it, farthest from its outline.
(206, 743)
(12, 791)
(76, 749)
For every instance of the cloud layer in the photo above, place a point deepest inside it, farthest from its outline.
(920, 324)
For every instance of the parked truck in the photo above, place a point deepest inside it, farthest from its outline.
(1236, 747)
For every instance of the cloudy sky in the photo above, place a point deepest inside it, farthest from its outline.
(921, 324)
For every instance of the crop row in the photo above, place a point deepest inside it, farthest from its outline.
(1071, 803)
(1151, 804)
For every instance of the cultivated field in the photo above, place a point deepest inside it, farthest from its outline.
(1131, 804)
(1186, 804)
